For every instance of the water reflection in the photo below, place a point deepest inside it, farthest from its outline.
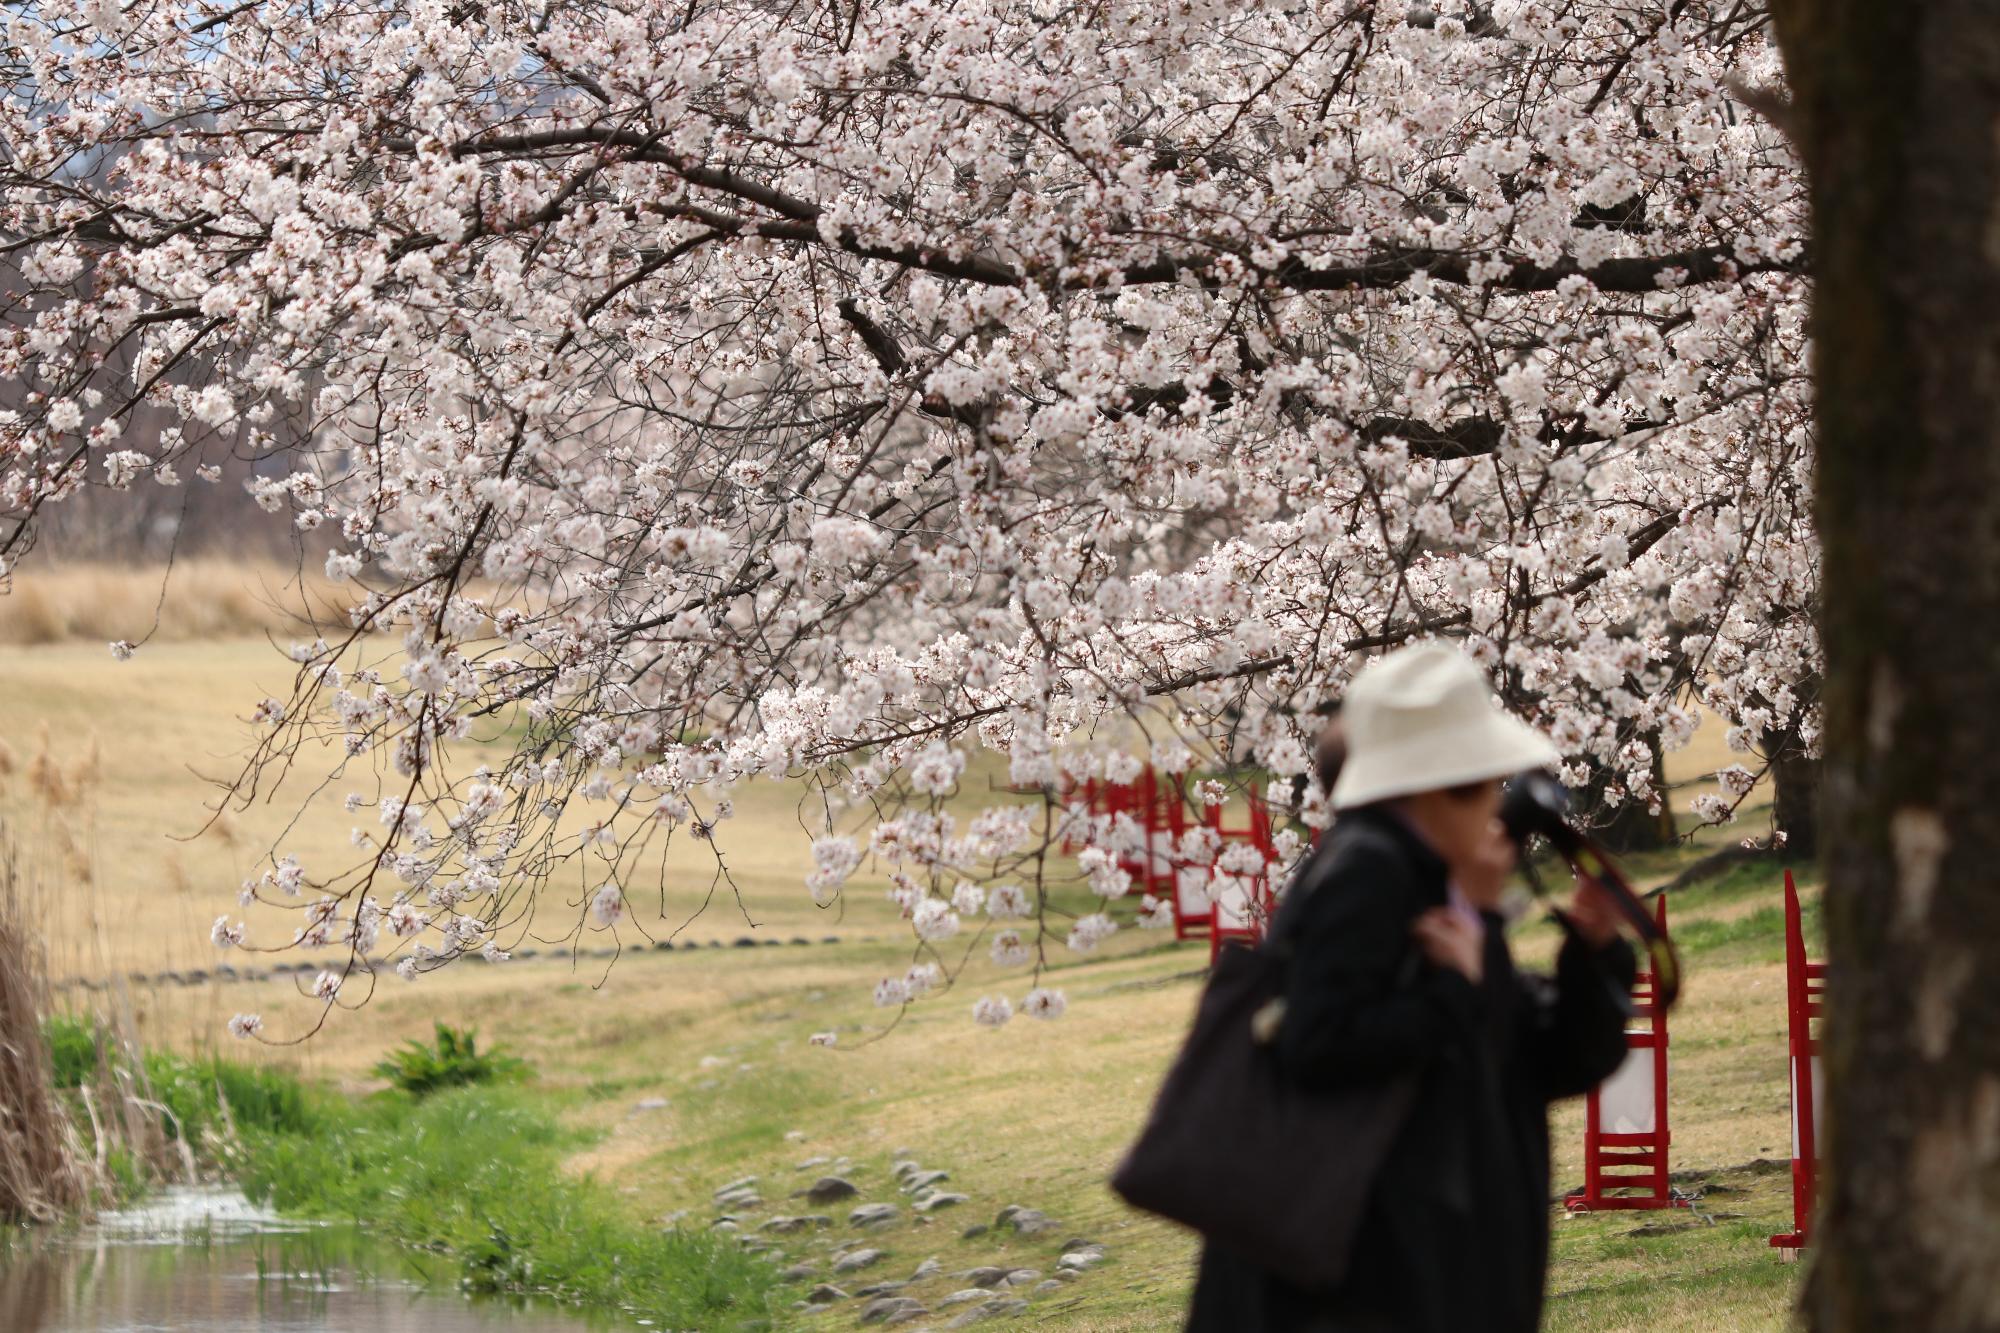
(207, 1261)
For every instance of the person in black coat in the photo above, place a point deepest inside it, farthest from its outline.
(1401, 968)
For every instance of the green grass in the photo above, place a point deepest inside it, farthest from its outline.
(1706, 1267)
(1763, 928)
(203, 1094)
(451, 1059)
(475, 1173)
(196, 1090)
(73, 1048)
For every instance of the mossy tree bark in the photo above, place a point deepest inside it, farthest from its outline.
(1896, 109)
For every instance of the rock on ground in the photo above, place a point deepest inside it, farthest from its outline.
(964, 1297)
(856, 1260)
(829, 1188)
(885, 1309)
(786, 1225)
(1025, 1221)
(997, 1309)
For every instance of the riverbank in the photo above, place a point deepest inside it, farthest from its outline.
(476, 1175)
(473, 1177)
(204, 1259)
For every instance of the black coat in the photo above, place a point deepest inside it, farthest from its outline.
(1456, 1233)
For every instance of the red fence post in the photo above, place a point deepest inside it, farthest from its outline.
(1626, 1139)
(1242, 901)
(1805, 984)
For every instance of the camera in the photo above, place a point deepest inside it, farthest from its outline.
(1536, 804)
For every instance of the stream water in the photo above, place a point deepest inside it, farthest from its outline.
(205, 1260)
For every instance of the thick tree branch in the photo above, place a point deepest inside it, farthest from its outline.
(1639, 273)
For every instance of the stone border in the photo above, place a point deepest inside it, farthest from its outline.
(226, 972)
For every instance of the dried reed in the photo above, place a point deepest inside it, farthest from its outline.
(43, 1173)
(196, 600)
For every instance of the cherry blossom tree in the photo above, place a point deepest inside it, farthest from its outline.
(729, 391)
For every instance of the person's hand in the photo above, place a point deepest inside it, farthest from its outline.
(1450, 941)
(1592, 912)
(1482, 874)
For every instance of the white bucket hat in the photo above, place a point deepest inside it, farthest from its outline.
(1423, 718)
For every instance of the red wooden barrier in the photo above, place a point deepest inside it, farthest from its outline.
(1207, 904)
(1241, 901)
(1625, 1133)
(1805, 988)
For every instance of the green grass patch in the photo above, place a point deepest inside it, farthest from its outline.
(1763, 926)
(1756, 936)
(475, 1173)
(204, 1095)
(73, 1046)
(451, 1059)
(465, 1169)
(197, 1090)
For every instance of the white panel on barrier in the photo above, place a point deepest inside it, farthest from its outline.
(1797, 1143)
(1191, 888)
(1232, 902)
(1162, 861)
(1625, 1100)
(1819, 1099)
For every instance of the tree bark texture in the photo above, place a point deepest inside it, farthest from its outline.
(1797, 781)
(1896, 107)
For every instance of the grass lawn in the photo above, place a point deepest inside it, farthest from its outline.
(682, 1071)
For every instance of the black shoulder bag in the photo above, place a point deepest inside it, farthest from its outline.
(1239, 1152)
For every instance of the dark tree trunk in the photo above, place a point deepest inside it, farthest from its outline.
(1797, 787)
(1897, 110)
(1631, 827)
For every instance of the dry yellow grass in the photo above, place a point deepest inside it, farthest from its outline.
(152, 739)
(135, 825)
(202, 599)
(44, 1173)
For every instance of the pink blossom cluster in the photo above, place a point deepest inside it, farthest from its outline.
(694, 395)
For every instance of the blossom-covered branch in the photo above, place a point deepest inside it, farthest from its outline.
(702, 394)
